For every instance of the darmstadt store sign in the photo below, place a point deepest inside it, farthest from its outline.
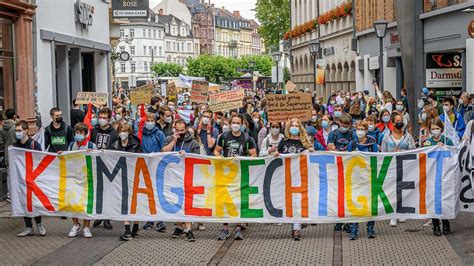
(443, 70)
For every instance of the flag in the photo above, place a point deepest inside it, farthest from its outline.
(186, 115)
(87, 121)
(39, 137)
(449, 131)
(142, 122)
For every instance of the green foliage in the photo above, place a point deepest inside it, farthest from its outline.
(286, 75)
(167, 69)
(274, 17)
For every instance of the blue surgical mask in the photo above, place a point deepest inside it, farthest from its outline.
(325, 124)
(386, 119)
(94, 122)
(19, 135)
(295, 131)
(344, 129)
(337, 114)
(79, 137)
(149, 125)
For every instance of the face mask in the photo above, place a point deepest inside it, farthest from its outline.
(314, 118)
(236, 127)
(399, 108)
(205, 120)
(399, 125)
(168, 119)
(332, 102)
(58, 120)
(189, 107)
(19, 135)
(337, 114)
(360, 133)
(94, 122)
(423, 116)
(171, 107)
(275, 131)
(436, 132)
(294, 131)
(344, 129)
(317, 102)
(182, 135)
(420, 104)
(123, 135)
(118, 117)
(149, 125)
(374, 106)
(78, 137)
(386, 119)
(446, 108)
(225, 128)
(325, 124)
(371, 127)
(103, 122)
(460, 101)
(256, 120)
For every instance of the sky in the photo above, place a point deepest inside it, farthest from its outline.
(244, 6)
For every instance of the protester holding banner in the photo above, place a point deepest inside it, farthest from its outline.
(323, 133)
(271, 141)
(24, 141)
(81, 144)
(427, 115)
(207, 133)
(165, 120)
(58, 134)
(385, 124)
(455, 118)
(373, 131)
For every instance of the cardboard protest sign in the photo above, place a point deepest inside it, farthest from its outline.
(199, 91)
(99, 98)
(171, 91)
(141, 95)
(290, 86)
(214, 89)
(281, 107)
(225, 101)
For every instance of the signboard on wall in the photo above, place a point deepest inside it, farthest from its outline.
(130, 8)
(444, 72)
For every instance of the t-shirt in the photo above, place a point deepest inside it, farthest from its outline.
(290, 146)
(235, 146)
(341, 140)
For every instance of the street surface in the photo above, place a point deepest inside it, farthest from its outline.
(408, 244)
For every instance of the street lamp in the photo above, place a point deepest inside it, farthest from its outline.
(277, 57)
(380, 27)
(314, 51)
(252, 66)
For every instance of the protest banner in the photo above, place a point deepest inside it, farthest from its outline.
(171, 91)
(281, 107)
(318, 187)
(98, 98)
(214, 88)
(142, 94)
(225, 101)
(199, 91)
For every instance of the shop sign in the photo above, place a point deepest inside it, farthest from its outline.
(328, 51)
(374, 63)
(443, 70)
(130, 8)
(84, 13)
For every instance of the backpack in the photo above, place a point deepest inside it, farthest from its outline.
(90, 145)
(246, 140)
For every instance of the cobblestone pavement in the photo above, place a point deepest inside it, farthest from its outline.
(408, 244)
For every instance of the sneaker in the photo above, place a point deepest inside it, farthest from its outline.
(223, 235)
(160, 227)
(436, 231)
(86, 232)
(393, 222)
(371, 235)
(201, 227)
(75, 230)
(27, 232)
(127, 236)
(190, 236)
(429, 223)
(279, 224)
(238, 235)
(296, 235)
(177, 232)
(402, 220)
(353, 237)
(347, 228)
(135, 232)
(148, 225)
(41, 229)
(97, 223)
(107, 225)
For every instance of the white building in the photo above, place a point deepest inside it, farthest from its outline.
(175, 8)
(144, 40)
(72, 52)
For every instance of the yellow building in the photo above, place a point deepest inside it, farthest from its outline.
(227, 33)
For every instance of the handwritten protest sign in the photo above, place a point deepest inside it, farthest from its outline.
(280, 107)
(141, 94)
(99, 98)
(290, 86)
(214, 89)
(199, 91)
(171, 91)
(225, 101)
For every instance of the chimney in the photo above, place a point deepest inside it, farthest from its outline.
(237, 13)
(160, 12)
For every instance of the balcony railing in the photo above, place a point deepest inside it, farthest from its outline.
(431, 5)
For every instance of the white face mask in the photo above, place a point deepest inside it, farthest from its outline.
(360, 133)
(236, 127)
(123, 135)
(168, 119)
(103, 122)
(275, 131)
(436, 132)
(399, 108)
(118, 117)
(225, 128)
(446, 108)
(423, 116)
(205, 120)
(314, 118)
(256, 120)
(371, 127)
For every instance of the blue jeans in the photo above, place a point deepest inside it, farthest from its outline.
(355, 229)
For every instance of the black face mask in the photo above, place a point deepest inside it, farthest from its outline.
(399, 125)
(58, 120)
(182, 135)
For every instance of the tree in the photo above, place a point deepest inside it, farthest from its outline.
(167, 69)
(263, 63)
(274, 16)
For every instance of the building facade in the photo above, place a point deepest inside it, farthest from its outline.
(245, 44)
(257, 42)
(227, 33)
(72, 52)
(17, 76)
(177, 8)
(202, 22)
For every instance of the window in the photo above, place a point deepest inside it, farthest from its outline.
(149, 33)
(167, 46)
(154, 51)
(132, 66)
(150, 50)
(154, 34)
(182, 46)
(132, 50)
(159, 34)
(122, 33)
(145, 66)
(174, 46)
(122, 67)
(168, 59)
(160, 51)
(144, 33)
(122, 48)
(189, 47)
(177, 47)
(132, 33)
(144, 50)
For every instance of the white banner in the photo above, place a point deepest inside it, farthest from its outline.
(319, 187)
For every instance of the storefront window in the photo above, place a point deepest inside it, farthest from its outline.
(431, 5)
(7, 81)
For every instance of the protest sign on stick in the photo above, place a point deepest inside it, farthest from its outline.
(141, 95)
(199, 91)
(98, 98)
(281, 107)
(225, 101)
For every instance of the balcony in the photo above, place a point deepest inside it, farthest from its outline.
(233, 44)
(431, 5)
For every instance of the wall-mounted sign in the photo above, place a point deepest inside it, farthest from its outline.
(83, 12)
(130, 8)
(373, 63)
(443, 70)
(328, 51)
(470, 28)
(394, 38)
